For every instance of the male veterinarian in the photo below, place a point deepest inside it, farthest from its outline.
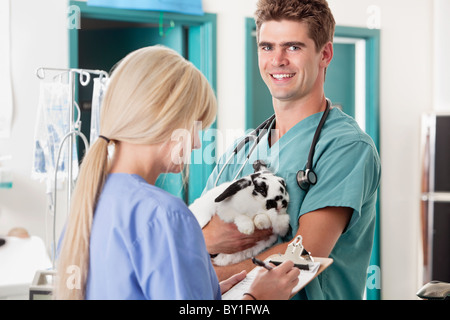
(335, 216)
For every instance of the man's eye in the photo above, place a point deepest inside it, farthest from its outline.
(293, 48)
(266, 48)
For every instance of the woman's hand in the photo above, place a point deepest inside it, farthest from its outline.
(275, 284)
(223, 237)
(226, 285)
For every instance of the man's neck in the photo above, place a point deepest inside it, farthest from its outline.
(288, 114)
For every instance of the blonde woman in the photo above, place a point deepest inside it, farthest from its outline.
(126, 238)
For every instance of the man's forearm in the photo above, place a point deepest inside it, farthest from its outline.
(320, 230)
(224, 272)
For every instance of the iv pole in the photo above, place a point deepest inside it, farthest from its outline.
(74, 130)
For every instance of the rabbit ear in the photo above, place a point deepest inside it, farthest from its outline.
(233, 189)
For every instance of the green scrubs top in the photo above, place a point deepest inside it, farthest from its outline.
(347, 166)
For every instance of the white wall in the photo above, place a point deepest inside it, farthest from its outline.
(406, 92)
(408, 57)
(38, 38)
(441, 63)
(230, 59)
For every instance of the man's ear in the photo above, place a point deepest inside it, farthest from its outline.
(233, 189)
(326, 54)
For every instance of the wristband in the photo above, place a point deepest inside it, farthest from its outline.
(249, 294)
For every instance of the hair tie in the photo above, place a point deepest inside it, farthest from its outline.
(105, 138)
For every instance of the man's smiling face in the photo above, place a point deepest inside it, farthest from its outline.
(289, 62)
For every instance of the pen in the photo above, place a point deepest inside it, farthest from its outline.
(261, 263)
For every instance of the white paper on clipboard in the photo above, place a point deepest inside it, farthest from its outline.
(239, 289)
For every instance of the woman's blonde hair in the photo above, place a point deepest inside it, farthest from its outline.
(152, 92)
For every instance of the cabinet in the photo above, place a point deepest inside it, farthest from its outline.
(435, 197)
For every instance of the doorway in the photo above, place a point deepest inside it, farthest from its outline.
(106, 35)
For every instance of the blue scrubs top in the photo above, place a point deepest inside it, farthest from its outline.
(146, 244)
(347, 166)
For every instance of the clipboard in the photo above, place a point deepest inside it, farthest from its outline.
(309, 267)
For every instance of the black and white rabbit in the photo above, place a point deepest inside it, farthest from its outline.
(257, 201)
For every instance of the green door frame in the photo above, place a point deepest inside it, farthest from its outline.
(372, 39)
(201, 51)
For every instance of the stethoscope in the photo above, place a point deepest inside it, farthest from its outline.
(305, 178)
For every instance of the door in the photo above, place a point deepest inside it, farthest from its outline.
(107, 35)
(346, 81)
(340, 78)
(258, 97)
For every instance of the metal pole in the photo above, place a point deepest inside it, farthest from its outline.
(71, 138)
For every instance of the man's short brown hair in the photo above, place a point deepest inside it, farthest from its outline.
(315, 13)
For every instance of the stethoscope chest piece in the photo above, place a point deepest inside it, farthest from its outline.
(305, 178)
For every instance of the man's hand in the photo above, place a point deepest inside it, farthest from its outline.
(223, 237)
